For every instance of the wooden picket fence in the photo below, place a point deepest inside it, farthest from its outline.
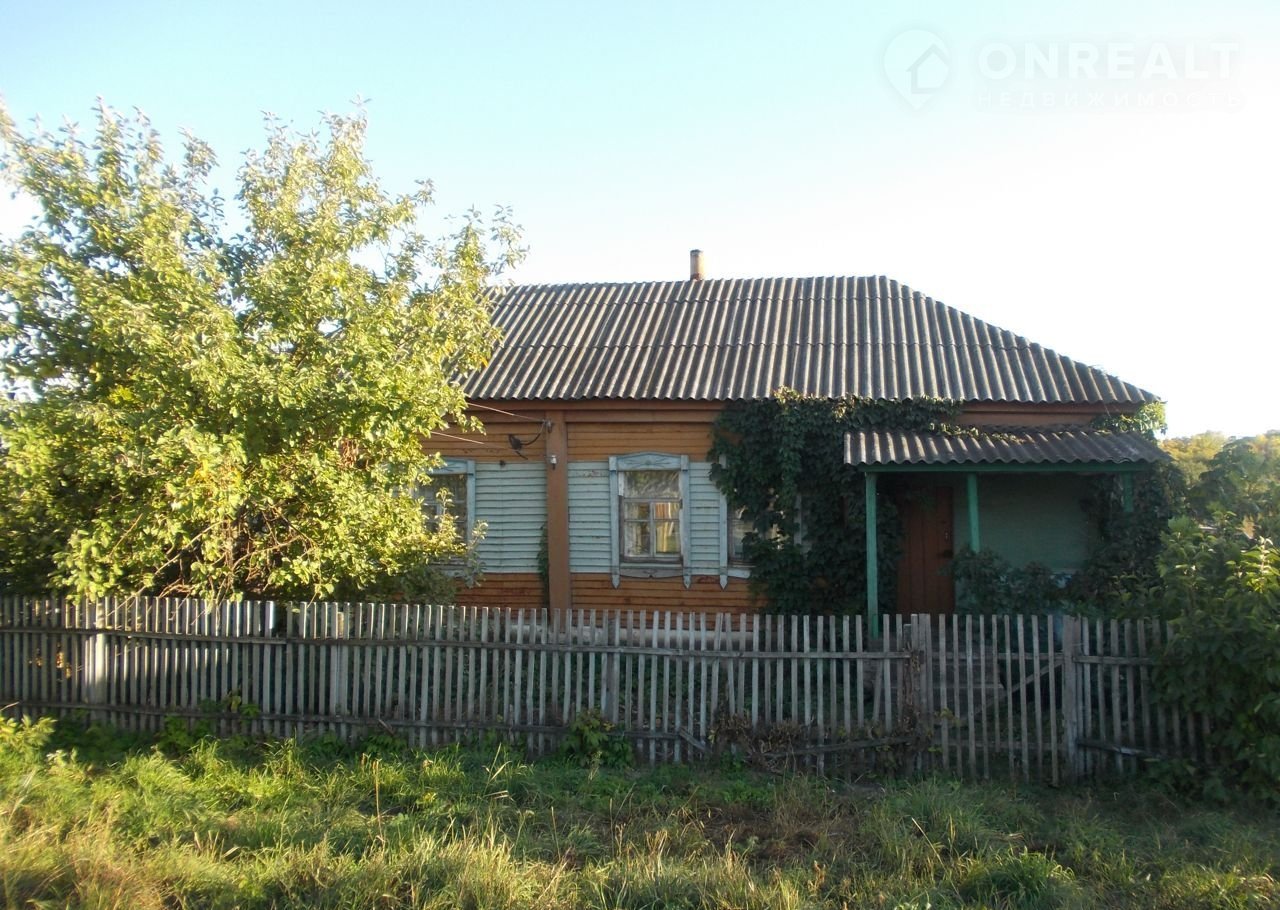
(1037, 697)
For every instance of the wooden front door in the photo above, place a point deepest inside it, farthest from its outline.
(925, 584)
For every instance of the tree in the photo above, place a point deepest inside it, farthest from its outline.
(195, 411)
(1192, 454)
(1242, 483)
(1219, 584)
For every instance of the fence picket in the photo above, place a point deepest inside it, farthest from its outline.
(1078, 694)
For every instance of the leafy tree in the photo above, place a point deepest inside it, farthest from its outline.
(1242, 483)
(1223, 591)
(191, 410)
(1192, 454)
(1219, 584)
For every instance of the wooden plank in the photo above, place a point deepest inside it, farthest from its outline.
(887, 670)
(1002, 634)
(1117, 729)
(844, 643)
(654, 619)
(613, 688)
(1037, 700)
(1022, 695)
(971, 705)
(1071, 695)
(795, 673)
(986, 686)
(944, 706)
(1130, 675)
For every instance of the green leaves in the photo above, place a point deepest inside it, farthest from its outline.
(194, 411)
(1224, 660)
(782, 460)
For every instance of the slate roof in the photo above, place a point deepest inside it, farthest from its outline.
(1012, 446)
(733, 339)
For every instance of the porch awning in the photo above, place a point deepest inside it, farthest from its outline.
(1012, 446)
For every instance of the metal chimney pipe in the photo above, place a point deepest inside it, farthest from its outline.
(696, 270)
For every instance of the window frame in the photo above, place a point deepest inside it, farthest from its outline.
(731, 566)
(454, 467)
(734, 516)
(649, 566)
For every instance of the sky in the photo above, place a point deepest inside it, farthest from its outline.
(1100, 177)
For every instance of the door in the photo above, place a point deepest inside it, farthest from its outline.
(925, 584)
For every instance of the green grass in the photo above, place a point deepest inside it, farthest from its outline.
(94, 818)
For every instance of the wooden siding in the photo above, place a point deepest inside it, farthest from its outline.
(590, 536)
(703, 512)
(596, 442)
(512, 499)
(595, 591)
(987, 414)
(511, 590)
(492, 445)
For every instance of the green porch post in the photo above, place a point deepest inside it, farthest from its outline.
(1126, 492)
(975, 538)
(873, 567)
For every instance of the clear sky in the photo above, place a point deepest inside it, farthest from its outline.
(1101, 177)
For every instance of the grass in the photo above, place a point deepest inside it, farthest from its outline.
(95, 818)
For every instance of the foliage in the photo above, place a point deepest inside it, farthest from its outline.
(321, 824)
(544, 566)
(1121, 565)
(591, 742)
(988, 583)
(1148, 418)
(1242, 485)
(191, 410)
(1223, 591)
(23, 740)
(1192, 454)
(782, 461)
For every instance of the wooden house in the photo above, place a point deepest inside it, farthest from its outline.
(592, 476)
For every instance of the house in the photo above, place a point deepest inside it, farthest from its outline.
(599, 403)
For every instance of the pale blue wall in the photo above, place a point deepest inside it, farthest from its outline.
(1029, 518)
(511, 499)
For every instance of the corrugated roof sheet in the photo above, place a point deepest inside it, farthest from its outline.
(1015, 446)
(733, 339)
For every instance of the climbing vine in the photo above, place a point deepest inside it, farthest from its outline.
(1122, 560)
(781, 460)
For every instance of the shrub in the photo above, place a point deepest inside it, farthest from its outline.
(1224, 590)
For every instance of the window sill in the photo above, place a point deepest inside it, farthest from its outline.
(651, 570)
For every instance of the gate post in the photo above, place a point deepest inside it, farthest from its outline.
(95, 670)
(918, 643)
(1071, 695)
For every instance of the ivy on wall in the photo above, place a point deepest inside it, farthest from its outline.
(1122, 558)
(781, 460)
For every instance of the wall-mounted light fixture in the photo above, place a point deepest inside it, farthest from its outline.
(551, 460)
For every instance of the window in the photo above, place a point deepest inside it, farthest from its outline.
(739, 527)
(650, 514)
(456, 480)
(649, 493)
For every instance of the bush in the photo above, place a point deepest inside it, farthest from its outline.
(1224, 660)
